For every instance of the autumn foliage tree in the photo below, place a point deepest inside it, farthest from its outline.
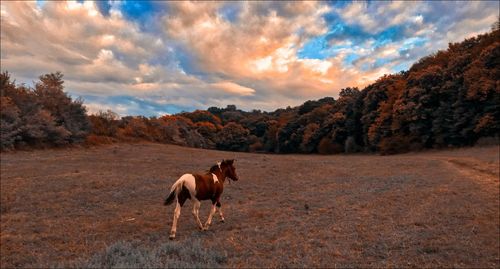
(233, 137)
(43, 116)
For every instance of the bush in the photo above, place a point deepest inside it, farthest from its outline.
(10, 123)
(167, 255)
(395, 144)
(488, 141)
(135, 127)
(104, 123)
(233, 137)
(93, 140)
(327, 146)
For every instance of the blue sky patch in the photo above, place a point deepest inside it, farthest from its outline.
(40, 3)
(401, 66)
(350, 58)
(339, 3)
(314, 49)
(137, 106)
(144, 13)
(230, 11)
(389, 35)
(379, 62)
(104, 7)
(321, 48)
(188, 62)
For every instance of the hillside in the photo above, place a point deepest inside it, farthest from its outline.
(103, 206)
(448, 99)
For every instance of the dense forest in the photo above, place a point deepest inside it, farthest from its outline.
(450, 98)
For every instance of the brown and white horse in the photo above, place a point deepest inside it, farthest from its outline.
(198, 187)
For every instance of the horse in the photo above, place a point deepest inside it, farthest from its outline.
(199, 187)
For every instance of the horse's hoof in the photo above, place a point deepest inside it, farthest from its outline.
(171, 237)
(222, 221)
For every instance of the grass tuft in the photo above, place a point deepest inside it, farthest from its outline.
(171, 254)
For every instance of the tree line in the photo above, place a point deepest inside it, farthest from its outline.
(448, 99)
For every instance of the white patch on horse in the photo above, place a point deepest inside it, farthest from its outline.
(189, 183)
(216, 179)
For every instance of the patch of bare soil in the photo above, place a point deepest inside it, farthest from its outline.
(438, 209)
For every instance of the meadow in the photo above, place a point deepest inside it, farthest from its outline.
(103, 207)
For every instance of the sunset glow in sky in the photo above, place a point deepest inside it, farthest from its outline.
(151, 58)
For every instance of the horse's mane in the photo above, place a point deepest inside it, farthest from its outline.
(214, 168)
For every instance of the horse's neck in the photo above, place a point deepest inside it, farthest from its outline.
(220, 175)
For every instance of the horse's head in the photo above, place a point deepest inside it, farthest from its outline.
(231, 170)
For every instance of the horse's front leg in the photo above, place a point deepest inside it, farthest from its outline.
(196, 212)
(219, 208)
(209, 220)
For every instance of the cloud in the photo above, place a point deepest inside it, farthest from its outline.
(238, 48)
(234, 88)
(73, 35)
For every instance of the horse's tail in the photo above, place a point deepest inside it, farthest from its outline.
(174, 190)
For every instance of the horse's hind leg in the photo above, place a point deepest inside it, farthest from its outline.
(177, 213)
(196, 212)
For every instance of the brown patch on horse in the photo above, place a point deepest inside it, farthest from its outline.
(206, 188)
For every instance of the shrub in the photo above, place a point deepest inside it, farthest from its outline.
(233, 137)
(93, 140)
(488, 141)
(327, 146)
(395, 144)
(135, 127)
(9, 123)
(104, 123)
(167, 255)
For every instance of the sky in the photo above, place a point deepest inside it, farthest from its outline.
(155, 57)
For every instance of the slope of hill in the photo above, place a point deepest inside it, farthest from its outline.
(62, 207)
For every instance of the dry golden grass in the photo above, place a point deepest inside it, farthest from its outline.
(433, 209)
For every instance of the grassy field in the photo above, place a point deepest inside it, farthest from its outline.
(103, 207)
